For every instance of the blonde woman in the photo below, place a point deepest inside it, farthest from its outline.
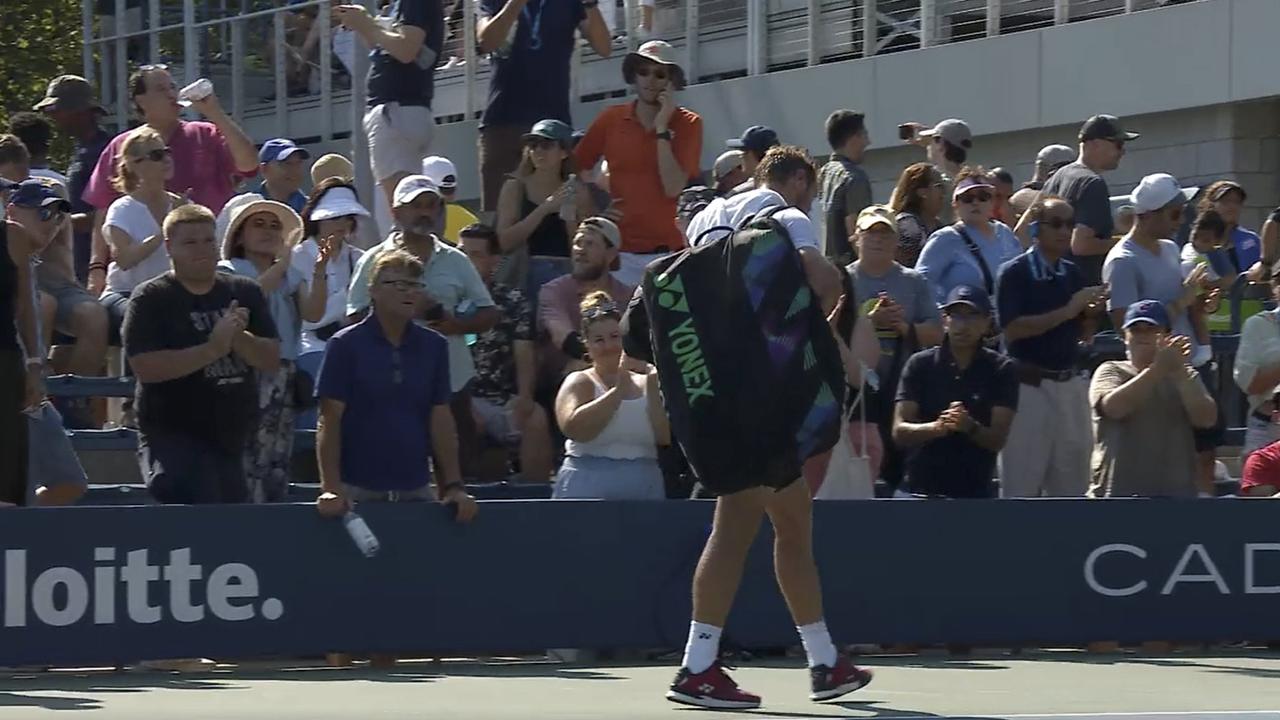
(539, 210)
(132, 223)
(613, 418)
(258, 242)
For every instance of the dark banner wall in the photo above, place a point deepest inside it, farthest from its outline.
(117, 584)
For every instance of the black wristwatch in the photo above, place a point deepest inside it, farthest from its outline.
(664, 135)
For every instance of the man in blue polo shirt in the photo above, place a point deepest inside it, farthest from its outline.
(283, 165)
(530, 44)
(1041, 299)
(384, 403)
(955, 404)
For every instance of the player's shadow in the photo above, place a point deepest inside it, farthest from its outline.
(853, 710)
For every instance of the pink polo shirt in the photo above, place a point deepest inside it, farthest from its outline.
(202, 162)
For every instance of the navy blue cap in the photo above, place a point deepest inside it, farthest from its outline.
(757, 138)
(280, 149)
(37, 193)
(1151, 312)
(976, 298)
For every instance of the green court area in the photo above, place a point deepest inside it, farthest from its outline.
(1241, 685)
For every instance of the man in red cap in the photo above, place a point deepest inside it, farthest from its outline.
(653, 148)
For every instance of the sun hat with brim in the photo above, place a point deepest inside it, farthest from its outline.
(550, 129)
(654, 51)
(338, 202)
(243, 207)
(970, 183)
(69, 92)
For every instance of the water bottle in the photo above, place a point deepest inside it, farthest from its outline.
(195, 92)
(360, 533)
(569, 208)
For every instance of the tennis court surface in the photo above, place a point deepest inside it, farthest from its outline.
(1242, 685)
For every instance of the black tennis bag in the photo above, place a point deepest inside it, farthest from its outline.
(751, 376)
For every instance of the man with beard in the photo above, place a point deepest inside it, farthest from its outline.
(653, 148)
(456, 302)
(595, 248)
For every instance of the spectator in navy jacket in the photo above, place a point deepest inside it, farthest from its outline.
(1042, 299)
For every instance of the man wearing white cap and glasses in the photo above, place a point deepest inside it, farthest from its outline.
(1146, 265)
(653, 148)
(457, 302)
(329, 225)
(441, 171)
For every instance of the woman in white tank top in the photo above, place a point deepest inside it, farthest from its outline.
(613, 418)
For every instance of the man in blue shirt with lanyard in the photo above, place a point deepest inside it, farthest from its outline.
(531, 43)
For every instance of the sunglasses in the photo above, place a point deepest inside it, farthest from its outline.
(403, 285)
(599, 311)
(1059, 223)
(541, 144)
(980, 196)
(157, 155)
(659, 73)
(152, 67)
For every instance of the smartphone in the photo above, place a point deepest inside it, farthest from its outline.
(906, 131)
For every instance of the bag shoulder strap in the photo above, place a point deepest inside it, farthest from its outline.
(977, 254)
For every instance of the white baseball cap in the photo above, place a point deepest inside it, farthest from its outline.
(1158, 190)
(441, 171)
(412, 186)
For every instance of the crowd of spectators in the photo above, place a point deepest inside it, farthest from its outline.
(181, 254)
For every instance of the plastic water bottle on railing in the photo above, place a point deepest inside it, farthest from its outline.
(360, 533)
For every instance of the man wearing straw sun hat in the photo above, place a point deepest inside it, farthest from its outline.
(653, 148)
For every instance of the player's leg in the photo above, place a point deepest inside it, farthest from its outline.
(791, 513)
(701, 681)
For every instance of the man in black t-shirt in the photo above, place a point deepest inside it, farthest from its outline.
(402, 65)
(1102, 141)
(194, 338)
(530, 44)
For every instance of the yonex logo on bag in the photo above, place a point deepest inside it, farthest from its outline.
(684, 340)
(672, 295)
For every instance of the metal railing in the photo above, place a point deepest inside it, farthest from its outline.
(267, 57)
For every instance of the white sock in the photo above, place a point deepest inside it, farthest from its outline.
(703, 647)
(817, 644)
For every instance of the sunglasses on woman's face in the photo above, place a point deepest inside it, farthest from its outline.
(975, 197)
(157, 155)
(657, 72)
(1059, 223)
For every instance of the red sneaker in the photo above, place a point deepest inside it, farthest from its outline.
(711, 688)
(830, 683)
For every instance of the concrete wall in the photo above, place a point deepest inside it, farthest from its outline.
(1019, 91)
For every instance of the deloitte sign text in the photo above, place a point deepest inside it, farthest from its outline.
(60, 596)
